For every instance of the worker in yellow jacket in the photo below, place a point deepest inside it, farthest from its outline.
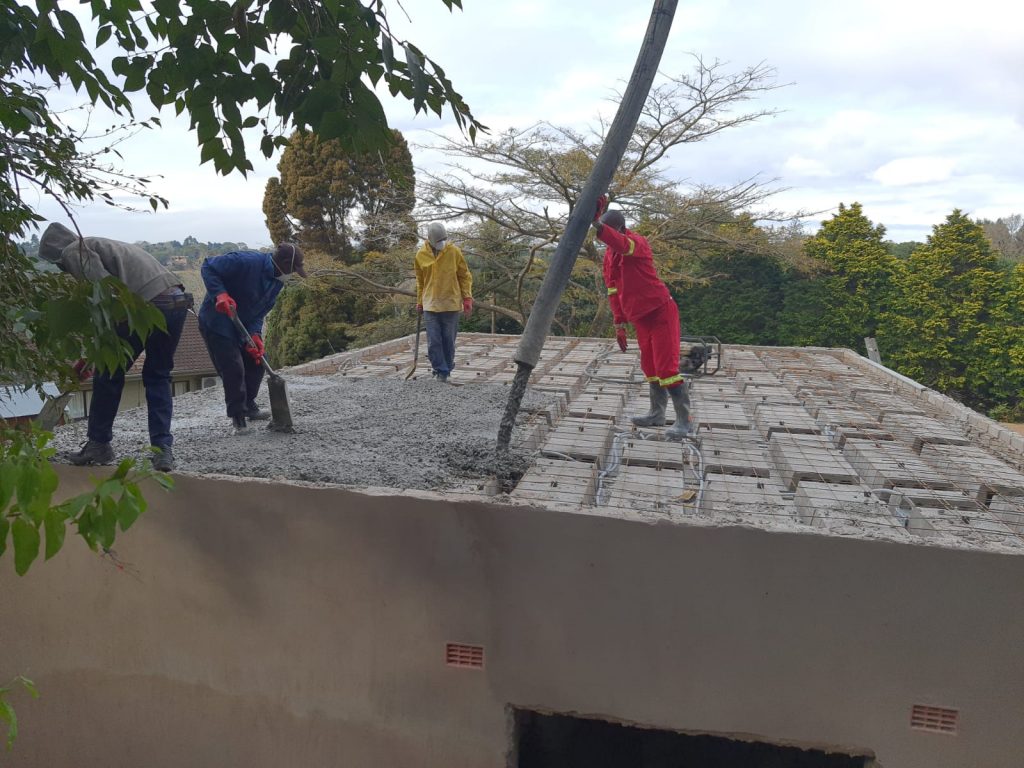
(444, 287)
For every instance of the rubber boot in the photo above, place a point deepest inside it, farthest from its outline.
(239, 425)
(681, 404)
(656, 416)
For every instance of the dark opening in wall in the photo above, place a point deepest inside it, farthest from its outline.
(561, 741)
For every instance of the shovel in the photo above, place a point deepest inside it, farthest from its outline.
(416, 346)
(280, 412)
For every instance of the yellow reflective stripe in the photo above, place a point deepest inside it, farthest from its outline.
(652, 379)
(612, 291)
(672, 380)
(632, 247)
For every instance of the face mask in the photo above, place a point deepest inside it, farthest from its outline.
(286, 279)
(440, 245)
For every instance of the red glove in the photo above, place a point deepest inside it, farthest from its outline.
(419, 309)
(82, 370)
(256, 350)
(620, 336)
(602, 204)
(225, 304)
(467, 306)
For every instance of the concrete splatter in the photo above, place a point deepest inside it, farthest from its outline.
(417, 434)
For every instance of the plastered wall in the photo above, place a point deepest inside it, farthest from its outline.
(253, 624)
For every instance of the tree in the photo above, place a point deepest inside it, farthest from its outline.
(1006, 235)
(216, 62)
(851, 273)
(938, 329)
(323, 188)
(507, 199)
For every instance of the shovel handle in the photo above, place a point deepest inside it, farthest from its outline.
(249, 342)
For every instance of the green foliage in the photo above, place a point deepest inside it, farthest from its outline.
(27, 509)
(944, 332)
(849, 287)
(740, 306)
(212, 63)
(323, 187)
(7, 714)
(308, 322)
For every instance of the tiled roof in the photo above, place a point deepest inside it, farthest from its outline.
(191, 356)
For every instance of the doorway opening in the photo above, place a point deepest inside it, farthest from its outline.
(563, 741)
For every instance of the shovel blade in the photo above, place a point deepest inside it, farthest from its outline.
(280, 412)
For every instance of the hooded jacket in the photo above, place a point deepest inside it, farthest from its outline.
(95, 258)
(634, 289)
(442, 281)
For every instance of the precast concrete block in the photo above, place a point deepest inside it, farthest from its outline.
(884, 404)
(918, 430)
(593, 405)
(974, 529)
(579, 439)
(648, 491)
(720, 414)
(800, 457)
(629, 448)
(841, 434)
(935, 499)
(746, 379)
(755, 394)
(845, 416)
(558, 481)
(1009, 510)
(826, 505)
(744, 499)
(734, 453)
(714, 388)
(771, 418)
(972, 466)
(887, 463)
(570, 386)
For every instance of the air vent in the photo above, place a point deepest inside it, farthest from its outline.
(934, 719)
(462, 655)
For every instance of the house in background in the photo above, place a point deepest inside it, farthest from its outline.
(193, 370)
(19, 405)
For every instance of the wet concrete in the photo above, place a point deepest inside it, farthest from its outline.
(417, 434)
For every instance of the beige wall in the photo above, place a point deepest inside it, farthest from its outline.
(259, 625)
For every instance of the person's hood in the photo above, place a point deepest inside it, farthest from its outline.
(55, 239)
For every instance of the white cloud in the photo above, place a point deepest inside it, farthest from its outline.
(914, 170)
(911, 108)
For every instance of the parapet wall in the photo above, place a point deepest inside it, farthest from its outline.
(262, 624)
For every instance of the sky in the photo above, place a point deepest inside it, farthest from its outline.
(910, 107)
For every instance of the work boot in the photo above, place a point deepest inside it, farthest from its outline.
(93, 453)
(681, 404)
(254, 413)
(163, 459)
(238, 422)
(656, 416)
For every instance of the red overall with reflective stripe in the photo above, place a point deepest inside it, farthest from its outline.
(638, 296)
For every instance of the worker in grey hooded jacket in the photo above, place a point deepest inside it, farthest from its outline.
(93, 259)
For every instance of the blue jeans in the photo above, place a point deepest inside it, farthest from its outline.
(156, 378)
(442, 328)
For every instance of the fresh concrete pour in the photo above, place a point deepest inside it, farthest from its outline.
(417, 434)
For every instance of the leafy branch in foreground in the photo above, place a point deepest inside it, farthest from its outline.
(7, 710)
(27, 511)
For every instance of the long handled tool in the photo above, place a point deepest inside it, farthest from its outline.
(280, 412)
(416, 346)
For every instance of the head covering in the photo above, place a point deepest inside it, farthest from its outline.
(288, 258)
(615, 220)
(436, 233)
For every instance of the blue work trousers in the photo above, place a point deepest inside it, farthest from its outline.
(239, 373)
(442, 328)
(156, 378)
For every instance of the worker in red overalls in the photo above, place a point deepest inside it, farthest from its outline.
(637, 296)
